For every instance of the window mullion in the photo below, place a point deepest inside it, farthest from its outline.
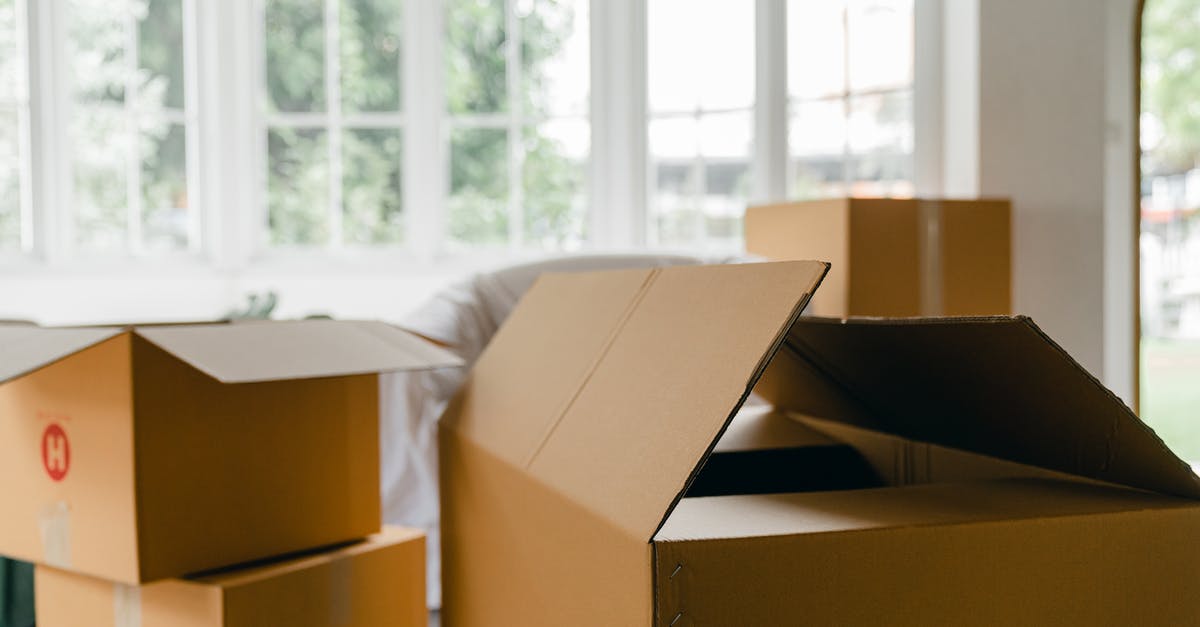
(333, 107)
(620, 166)
(847, 176)
(770, 163)
(196, 207)
(425, 135)
(513, 78)
(133, 163)
(50, 110)
(25, 128)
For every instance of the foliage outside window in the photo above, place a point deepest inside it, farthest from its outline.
(516, 99)
(129, 127)
(1170, 222)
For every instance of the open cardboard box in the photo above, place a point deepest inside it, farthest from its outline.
(379, 581)
(1017, 489)
(140, 453)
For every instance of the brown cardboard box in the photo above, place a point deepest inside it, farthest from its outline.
(374, 583)
(894, 257)
(151, 452)
(565, 506)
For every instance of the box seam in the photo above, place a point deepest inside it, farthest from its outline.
(626, 315)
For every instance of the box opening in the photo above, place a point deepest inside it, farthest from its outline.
(767, 451)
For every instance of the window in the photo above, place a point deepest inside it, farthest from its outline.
(14, 115)
(334, 122)
(213, 132)
(701, 96)
(517, 87)
(849, 109)
(130, 127)
(1170, 223)
(850, 75)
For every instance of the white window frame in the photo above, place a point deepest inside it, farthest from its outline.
(50, 233)
(226, 160)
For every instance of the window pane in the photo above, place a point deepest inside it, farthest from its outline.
(478, 201)
(555, 174)
(881, 174)
(295, 40)
(164, 187)
(700, 54)
(98, 38)
(12, 75)
(818, 128)
(881, 122)
(554, 55)
(10, 182)
(371, 186)
(370, 56)
(160, 51)
(816, 48)
(298, 186)
(881, 43)
(700, 193)
(101, 145)
(475, 62)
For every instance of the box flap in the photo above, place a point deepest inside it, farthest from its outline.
(297, 349)
(25, 348)
(992, 385)
(611, 388)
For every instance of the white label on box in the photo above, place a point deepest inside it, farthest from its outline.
(55, 524)
(127, 605)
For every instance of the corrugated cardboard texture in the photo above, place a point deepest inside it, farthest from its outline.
(995, 386)
(368, 584)
(607, 453)
(1005, 553)
(86, 520)
(895, 256)
(241, 472)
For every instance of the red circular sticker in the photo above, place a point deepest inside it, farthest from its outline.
(56, 452)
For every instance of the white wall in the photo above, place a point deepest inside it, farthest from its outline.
(1053, 126)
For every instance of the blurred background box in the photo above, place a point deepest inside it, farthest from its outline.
(895, 256)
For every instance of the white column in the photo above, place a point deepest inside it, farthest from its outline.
(618, 186)
(771, 102)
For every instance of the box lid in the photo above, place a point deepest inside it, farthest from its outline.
(25, 348)
(991, 385)
(241, 353)
(611, 388)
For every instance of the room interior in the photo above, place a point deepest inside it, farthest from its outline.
(426, 164)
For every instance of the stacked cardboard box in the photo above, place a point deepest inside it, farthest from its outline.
(133, 455)
(895, 256)
(1005, 485)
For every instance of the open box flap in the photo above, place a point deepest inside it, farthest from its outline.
(25, 348)
(611, 388)
(992, 385)
(297, 349)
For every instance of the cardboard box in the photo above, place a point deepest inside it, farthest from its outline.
(151, 452)
(895, 257)
(377, 582)
(565, 506)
